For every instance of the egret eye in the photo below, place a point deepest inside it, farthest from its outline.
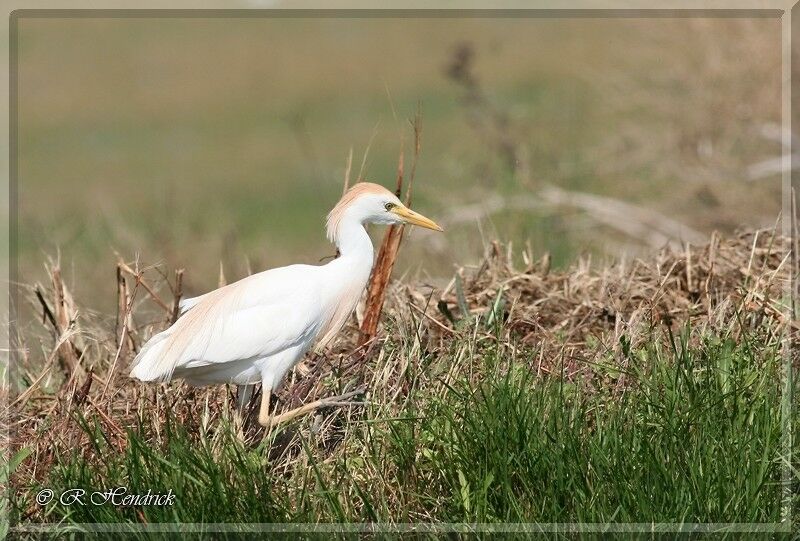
(389, 206)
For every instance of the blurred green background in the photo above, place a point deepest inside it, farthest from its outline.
(190, 142)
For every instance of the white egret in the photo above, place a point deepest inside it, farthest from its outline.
(255, 330)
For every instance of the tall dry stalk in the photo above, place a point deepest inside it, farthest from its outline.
(387, 254)
(125, 326)
(177, 294)
(62, 317)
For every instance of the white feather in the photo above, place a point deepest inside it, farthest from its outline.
(190, 302)
(256, 317)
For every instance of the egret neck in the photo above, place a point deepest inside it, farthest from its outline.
(349, 273)
(352, 239)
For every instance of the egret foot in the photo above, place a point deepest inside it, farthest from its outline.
(268, 421)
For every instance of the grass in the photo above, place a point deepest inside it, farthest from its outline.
(693, 436)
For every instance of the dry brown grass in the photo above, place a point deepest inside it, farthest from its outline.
(574, 320)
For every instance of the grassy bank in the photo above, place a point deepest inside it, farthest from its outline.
(647, 391)
(694, 437)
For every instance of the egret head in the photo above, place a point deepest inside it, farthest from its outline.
(366, 202)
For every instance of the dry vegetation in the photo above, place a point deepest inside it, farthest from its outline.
(581, 324)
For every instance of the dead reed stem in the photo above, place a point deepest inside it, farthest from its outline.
(387, 254)
(139, 277)
(64, 315)
(177, 295)
(124, 315)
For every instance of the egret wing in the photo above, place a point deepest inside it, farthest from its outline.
(256, 317)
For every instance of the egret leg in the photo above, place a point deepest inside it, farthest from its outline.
(264, 418)
(341, 400)
(244, 394)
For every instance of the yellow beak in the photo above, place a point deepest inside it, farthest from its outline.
(414, 218)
